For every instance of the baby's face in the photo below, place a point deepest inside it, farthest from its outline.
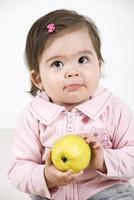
(69, 68)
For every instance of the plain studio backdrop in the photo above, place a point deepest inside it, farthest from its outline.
(114, 19)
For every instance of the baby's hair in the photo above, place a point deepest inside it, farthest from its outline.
(63, 20)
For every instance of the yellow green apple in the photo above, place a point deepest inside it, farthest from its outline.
(71, 152)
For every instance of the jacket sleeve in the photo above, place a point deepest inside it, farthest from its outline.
(26, 168)
(120, 159)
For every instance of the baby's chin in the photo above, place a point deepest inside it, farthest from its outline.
(71, 100)
(77, 99)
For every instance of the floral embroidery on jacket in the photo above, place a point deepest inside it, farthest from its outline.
(103, 136)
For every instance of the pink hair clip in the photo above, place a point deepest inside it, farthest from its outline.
(51, 27)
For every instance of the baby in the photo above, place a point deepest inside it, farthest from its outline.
(63, 54)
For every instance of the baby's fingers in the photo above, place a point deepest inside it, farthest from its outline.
(97, 146)
(84, 135)
(75, 175)
(71, 175)
(91, 140)
(48, 159)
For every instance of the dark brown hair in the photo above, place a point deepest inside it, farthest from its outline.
(39, 36)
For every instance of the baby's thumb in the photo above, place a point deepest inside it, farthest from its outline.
(48, 159)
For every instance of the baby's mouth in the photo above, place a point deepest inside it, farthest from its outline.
(72, 87)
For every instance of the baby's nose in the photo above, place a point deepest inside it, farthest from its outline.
(72, 73)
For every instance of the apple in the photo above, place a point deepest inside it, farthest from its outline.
(71, 152)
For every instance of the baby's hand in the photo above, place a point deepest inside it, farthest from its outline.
(54, 177)
(97, 156)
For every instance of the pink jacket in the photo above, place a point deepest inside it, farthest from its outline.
(43, 122)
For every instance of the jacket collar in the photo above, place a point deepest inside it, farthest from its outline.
(44, 110)
(47, 112)
(99, 101)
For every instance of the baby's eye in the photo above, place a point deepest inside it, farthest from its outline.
(57, 64)
(83, 59)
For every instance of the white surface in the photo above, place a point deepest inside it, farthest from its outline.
(115, 21)
(7, 191)
(9, 120)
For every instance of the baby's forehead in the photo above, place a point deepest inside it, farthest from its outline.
(68, 41)
(69, 44)
(62, 35)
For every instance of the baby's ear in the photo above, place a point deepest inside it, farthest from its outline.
(35, 78)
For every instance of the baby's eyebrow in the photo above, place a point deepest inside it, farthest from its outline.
(55, 57)
(65, 56)
(85, 52)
